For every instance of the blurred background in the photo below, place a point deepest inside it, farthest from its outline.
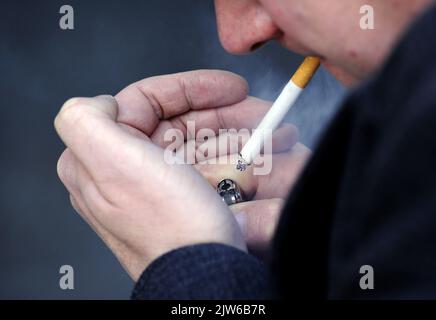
(114, 44)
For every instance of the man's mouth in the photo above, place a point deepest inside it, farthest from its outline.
(295, 46)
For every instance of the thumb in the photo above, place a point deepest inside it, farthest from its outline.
(88, 126)
(258, 221)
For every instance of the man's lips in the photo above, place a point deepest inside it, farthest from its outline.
(295, 46)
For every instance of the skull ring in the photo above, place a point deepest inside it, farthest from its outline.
(230, 192)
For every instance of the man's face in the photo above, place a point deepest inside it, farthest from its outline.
(328, 29)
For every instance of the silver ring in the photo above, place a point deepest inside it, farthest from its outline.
(230, 192)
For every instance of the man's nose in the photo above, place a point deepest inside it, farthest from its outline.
(243, 26)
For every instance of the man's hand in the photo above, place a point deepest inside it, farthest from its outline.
(258, 217)
(114, 165)
(140, 206)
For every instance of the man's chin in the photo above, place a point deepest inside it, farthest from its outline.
(340, 74)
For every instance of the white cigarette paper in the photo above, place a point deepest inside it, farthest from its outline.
(271, 121)
(278, 111)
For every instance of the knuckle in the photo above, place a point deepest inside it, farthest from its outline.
(107, 205)
(75, 205)
(61, 167)
(64, 169)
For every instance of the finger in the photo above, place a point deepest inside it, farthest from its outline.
(145, 103)
(231, 142)
(87, 126)
(258, 221)
(72, 175)
(80, 207)
(243, 115)
(75, 205)
(283, 139)
(133, 131)
(67, 175)
(224, 168)
(80, 186)
(83, 196)
(285, 171)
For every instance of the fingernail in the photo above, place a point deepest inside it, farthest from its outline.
(70, 102)
(106, 97)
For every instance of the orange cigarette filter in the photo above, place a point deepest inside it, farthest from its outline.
(306, 71)
(278, 110)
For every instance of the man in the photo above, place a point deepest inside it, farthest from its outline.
(366, 198)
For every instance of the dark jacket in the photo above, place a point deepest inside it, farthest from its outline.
(367, 197)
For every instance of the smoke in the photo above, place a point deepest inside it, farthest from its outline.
(316, 106)
(267, 71)
(114, 44)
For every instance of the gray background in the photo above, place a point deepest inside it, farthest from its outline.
(115, 43)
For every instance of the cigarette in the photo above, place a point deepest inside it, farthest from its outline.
(278, 111)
